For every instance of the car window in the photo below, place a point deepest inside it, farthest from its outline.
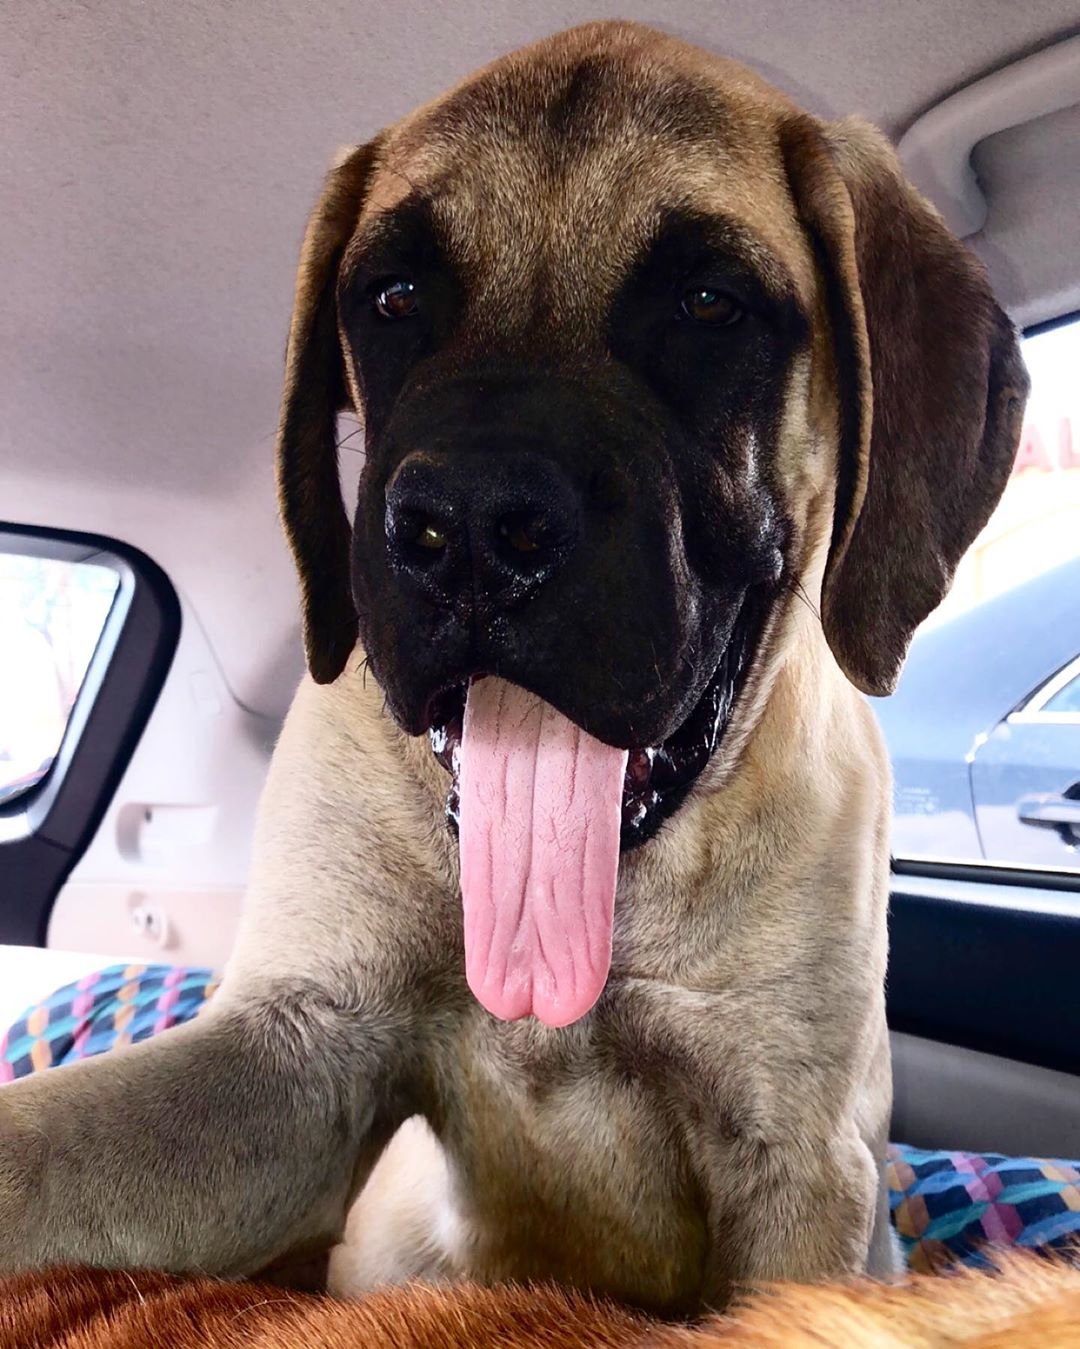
(1066, 699)
(52, 613)
(986, 768)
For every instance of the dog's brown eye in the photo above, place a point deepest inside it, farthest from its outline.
(710, 306)
(396, 300)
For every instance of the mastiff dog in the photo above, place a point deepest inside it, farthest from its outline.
(564, 951)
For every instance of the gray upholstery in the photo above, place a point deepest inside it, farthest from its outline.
(946, 1097)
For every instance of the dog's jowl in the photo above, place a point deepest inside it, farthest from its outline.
(565, 944)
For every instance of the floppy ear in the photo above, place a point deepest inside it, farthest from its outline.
(309, 492)
(931, 393)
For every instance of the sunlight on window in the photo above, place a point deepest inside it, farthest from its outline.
(51, 617)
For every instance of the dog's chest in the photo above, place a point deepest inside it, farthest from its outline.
(585, 1157)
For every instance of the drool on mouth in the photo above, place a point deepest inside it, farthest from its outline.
(658, 777)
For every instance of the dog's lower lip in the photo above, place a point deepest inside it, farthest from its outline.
(658, 777)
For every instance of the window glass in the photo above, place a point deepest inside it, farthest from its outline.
(975, 778)
(1066, 699)
(52, 614)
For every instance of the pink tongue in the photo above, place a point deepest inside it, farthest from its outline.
(541, 805)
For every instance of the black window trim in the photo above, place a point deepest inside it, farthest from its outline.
(1048, 325)
(44, 831)
(1037, 880)
(986, 965)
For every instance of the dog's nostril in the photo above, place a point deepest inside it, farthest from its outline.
(430, 536)
(522, 531)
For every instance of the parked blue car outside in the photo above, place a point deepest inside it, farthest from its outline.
(984, 731)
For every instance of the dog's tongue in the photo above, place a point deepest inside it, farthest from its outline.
(541, 805)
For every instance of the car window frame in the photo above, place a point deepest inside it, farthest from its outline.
(45, 829)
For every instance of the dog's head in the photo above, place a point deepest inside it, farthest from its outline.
(639, 349)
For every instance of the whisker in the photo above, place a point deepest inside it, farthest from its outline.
(799, 592)
(343, 443)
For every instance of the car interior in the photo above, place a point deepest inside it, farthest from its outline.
(157, 164)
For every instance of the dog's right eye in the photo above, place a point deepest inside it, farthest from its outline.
(396, 299)
(711, 307)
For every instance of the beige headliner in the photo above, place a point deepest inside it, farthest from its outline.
(156, 164)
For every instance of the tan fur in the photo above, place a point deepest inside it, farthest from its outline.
(721, 1117)
(1031, 1302)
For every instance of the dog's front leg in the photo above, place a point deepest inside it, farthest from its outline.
(800, 1211)
(221, 1146)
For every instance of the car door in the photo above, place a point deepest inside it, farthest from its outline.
(1025, 779)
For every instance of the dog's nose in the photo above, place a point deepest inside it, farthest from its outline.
(486, 527)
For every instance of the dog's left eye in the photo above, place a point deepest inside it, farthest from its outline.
(396, 299)
(710, 306)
